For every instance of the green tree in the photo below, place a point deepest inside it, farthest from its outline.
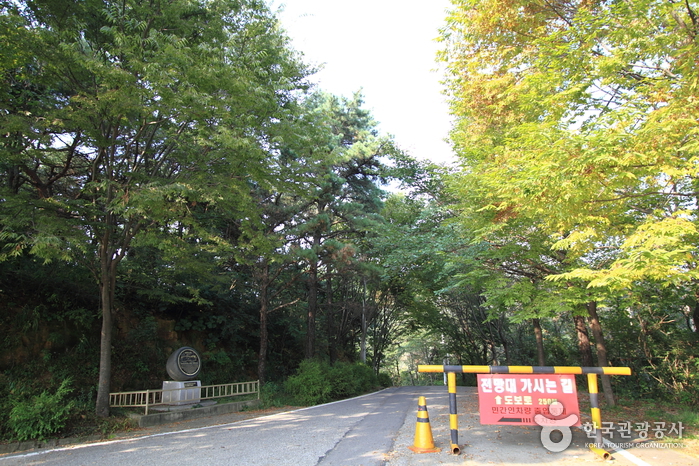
(411, 249)
(581, 115)
(578, 118)
(343, 196)
(120, 117)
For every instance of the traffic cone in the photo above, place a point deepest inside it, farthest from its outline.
(424, 443)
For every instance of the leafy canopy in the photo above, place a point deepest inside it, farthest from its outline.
(580, 116)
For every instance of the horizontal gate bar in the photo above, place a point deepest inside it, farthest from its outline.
(525, 369)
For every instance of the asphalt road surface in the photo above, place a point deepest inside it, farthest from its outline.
(373, 430)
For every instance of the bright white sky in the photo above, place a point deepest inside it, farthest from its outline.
(387, 49)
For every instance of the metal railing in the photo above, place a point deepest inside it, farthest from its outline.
(149, 398)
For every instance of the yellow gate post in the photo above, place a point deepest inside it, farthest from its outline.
(453, 420)
(596, 415)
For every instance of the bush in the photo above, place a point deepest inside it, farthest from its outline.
(385, 380)
(351, 380)
(677, 376)
(343, 381)
(310, 385)
(42, 415)
(317, 382)
(273, 395)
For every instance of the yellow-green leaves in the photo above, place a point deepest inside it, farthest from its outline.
(661, 251)
(580, 119)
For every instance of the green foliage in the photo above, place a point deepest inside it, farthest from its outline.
(273, 395)
(310, 385)
(384, 379)
(221, 366)
(5, 405)
(42, 415)
(349, 379)
(318, 382)
(172, 156)
(574, 121)
(676, 375)
(108, 149)
(578, 182)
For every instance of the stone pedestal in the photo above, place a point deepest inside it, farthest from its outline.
(181, 393)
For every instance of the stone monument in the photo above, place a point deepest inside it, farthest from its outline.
(182, 366)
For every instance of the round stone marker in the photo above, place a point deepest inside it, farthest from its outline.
(183, 364)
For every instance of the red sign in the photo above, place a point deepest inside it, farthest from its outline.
(516, 399)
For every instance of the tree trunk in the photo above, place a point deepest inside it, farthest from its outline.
(262, 357)
(695, 317)
(312, 302)
(539, 341)
(330, 321)
(107, 288)
(362, 344)
(583, 341)
(264, 338)
(601, 350)
(503, 340)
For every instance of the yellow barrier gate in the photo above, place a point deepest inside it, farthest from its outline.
(591, 372)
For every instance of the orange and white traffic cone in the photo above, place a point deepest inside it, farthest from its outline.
(424, 443)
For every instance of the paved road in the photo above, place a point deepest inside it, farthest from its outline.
(373, 430)
(357, 432)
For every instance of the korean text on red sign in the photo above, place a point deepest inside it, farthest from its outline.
(514, 399)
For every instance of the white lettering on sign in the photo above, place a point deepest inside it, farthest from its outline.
(567, 386)
(515, 398)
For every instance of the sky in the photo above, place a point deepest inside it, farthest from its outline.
(387, 49)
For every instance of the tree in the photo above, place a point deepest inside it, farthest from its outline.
(343, 195)
(411, 251)
(120, 117)
(578, 118)
(265, 248)
(581, 115)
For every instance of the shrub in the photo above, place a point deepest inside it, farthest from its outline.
(677, 376)
(351, 379)
(273, 395)
(310, 385)
(42, 415)
(364, 377)
(342, 380)
(317, 382)
(385, 380)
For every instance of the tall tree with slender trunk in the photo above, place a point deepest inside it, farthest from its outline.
(344, 195)
(125, 116)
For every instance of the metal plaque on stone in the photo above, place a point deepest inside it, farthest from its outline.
(184, 364)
